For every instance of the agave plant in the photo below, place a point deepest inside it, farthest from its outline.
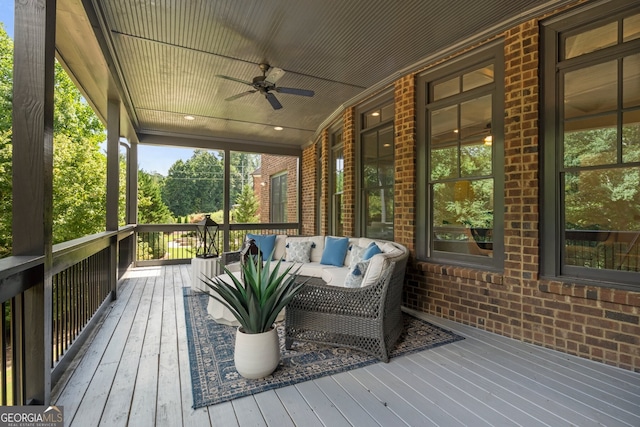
(256, 299)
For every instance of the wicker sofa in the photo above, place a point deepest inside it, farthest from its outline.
(367, 318)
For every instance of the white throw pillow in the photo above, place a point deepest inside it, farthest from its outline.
(356, 274)
(298, 251)
(356, 254)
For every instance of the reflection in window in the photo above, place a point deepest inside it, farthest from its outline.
(377, 182)
(600, 143)
(337, 184)
(460, 163)
(279, 198)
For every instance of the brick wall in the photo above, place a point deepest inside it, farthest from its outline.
(349, 194)
(405, 161)
(309, 190)
(273, 165)
(593, 322)
(588, 321)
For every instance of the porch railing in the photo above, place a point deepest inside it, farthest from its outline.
(612, 250)
(159, 244)
(83, 283)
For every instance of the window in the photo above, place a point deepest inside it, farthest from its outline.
(592, 145)
(319, 181)
(460, 124)
(377, 176)
(279, 198)
(336, 184)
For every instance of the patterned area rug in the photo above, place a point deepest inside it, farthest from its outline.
(214, 377)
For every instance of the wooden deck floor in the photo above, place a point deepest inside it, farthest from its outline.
(135, 371)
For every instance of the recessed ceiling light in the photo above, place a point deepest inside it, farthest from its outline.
(455, 131)
(189, 118)
(387, 145)
(375, 113)
(488, 140)
(278, 128)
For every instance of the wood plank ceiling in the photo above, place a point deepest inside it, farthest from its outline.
(164, 56)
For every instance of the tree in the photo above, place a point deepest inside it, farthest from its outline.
(79, 167)
(6, 87)
(151, 208)
(247, 206)
(195, 185)
(241, 167)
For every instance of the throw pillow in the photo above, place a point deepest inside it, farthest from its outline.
(335, 249)
(298, 251)
(356, 274)
(356, 254)
(265, 242)
(371, 250)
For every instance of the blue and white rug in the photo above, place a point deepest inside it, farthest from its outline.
(214, 378)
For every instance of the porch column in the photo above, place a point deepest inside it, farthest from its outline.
(113, 187)
(132, 184)
(33, 84)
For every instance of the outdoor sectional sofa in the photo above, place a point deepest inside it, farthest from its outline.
(363, 314)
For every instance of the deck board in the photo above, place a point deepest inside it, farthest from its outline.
(135, 371)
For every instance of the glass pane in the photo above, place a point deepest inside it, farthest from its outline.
(370, 172)
(370, 146)
(338, 228)
(631, 28)
(444, 162)
(475, 158)
(371, 118)
(337, 139)
(591, 40)
(445, 89)
(591, 90)
(602, 219)
(463, 217)
(379, 213)
(475, 117)
(338, 171)
(631, 137)
(477, 78)
(631, 81)
(386, 171)
(246, 187)
(590, 142)
(387, 112)
(444, 125)
(385, 142)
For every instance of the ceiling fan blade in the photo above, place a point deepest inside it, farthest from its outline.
(233, 79)
(240, 95)
(273, 101)
(294, 91)
(273, 75)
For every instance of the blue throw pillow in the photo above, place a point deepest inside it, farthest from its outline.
(371, 250)
(335, 249)
(265, 242)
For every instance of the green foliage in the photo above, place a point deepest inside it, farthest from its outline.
(5, 193)
(151, 208)
(602, 197)
(241, 167)
(151, 246)
(247, 207)
(195, 185)
(257, 300)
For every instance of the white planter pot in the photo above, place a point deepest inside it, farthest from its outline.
(256, 355)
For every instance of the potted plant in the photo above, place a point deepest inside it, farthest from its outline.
(255, 300)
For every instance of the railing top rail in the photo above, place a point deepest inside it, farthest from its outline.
(10, 266)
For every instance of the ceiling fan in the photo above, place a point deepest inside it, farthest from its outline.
(265, 84)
